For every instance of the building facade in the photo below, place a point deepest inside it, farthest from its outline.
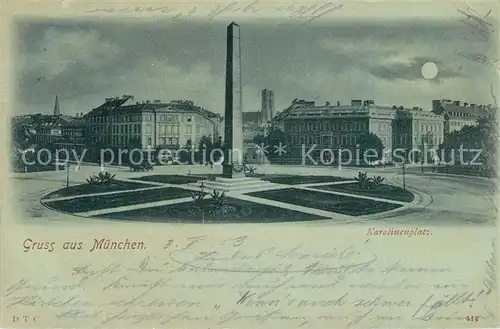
(340, 126)
(72, 135)
(267, 108)
(116, 124)
(458, 114)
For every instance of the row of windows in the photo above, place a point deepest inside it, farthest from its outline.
(72, 133)
(343, 140)
(169, 141)
(115, 118)
(125, 129)
(431, 128)
(462, 114)
(460, 124)
(136, 129)
(330, 126)
(137, 117)
(125, 140)
(166, 129)
(336, 113)
(351, 140)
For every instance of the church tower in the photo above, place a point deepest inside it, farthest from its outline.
(57, 109)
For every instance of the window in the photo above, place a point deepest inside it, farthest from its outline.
(149, 141)
(175, 130)
(148, 130)
(189, 118)
(189, 129)
(162, 129)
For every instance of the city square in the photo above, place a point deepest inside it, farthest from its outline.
(268, 181)
(436, 198)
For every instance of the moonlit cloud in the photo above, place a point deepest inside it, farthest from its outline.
(86, 61)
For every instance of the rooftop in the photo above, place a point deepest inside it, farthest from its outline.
(117, 105)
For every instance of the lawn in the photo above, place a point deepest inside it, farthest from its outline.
(279, 179)
(90, 203)
(39, 168)
(172, 179)
(237, 211)
(381, 191)
(326, 201)
(296, 179)
(86, 188)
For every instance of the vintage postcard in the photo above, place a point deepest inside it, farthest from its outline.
(249, 164)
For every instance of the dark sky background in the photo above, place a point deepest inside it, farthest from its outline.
(84, 61)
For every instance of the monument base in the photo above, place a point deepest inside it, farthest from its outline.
(234, 184)
(228, 171)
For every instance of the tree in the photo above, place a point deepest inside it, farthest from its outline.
(488, 137)
(275, 139)
(259, 139)
(370, 141)
(205, 147)
(483, 136)
(22, 138)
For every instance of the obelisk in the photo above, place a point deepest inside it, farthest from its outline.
(232, 166)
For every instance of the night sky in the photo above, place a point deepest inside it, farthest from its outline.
(335, 58)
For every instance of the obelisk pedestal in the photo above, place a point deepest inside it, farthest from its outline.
(232, 166)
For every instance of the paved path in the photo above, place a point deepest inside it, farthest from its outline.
(440, 200)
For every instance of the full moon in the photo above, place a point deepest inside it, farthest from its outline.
(429, 70)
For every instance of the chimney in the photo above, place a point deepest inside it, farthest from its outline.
(147, 102)
(338, 103)
(157, 101)
(327, 103)
(394, 107)
(456, 103)
(466, 104)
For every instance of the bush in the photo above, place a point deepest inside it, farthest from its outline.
(362, 180)
(141, 167)
(377, 180)
(101, 179)
(249, 170)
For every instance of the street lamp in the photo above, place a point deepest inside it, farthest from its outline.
(422, 156)
(404, 180)
(67, 174)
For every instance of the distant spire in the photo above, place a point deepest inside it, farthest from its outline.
(57, 110)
